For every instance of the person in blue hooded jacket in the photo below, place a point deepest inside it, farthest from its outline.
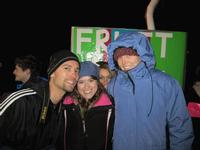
(150, 107)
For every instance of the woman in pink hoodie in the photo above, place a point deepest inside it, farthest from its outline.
(89, 113)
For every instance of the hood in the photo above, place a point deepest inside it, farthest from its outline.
(135, 40)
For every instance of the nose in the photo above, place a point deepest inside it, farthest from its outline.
(123, 59)
(74, 75)
(86, 85)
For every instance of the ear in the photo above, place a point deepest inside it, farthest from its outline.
(52, 75)
(28, 71)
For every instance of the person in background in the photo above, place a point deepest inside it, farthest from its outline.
(193, 100)
(30, 121)
(151, 111)
(105, 74)
(89, 112)
(28, 73)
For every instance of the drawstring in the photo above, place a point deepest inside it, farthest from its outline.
(65, 130)
(151, 107)
(129, 77)
(45, 106)
(107, 127)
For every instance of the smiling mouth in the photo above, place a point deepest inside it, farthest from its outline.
(126, 68)
(87, 92)
(72, 84)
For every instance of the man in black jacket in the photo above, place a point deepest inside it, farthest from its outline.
(32, 119)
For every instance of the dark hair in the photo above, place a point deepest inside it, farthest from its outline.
(28, 62)
(104, 65)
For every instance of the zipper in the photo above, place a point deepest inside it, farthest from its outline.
(84, 128)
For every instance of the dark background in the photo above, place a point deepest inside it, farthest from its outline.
(42, 28)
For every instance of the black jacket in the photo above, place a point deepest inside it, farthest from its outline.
(20, 124)
(35, 83)
(94, 132)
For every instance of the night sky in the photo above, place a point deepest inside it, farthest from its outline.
(41, 29)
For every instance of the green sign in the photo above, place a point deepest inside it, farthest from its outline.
(90, 43)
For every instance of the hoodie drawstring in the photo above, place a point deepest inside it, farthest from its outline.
(107, 127)
(133, 84)
(151, 107)
(65, 130)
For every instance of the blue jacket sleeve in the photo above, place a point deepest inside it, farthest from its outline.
(179, 121)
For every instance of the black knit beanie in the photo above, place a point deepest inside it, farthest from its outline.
(58, 58)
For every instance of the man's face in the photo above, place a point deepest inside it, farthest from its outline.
(66, 75)
(20, 74)
(127, 62)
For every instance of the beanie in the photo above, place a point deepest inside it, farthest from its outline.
(58, 58)
(89, 69)
(121, 51)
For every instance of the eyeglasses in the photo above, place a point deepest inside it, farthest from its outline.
(105, 78)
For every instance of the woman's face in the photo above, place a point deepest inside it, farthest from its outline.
(104, 76)
(87, 87)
